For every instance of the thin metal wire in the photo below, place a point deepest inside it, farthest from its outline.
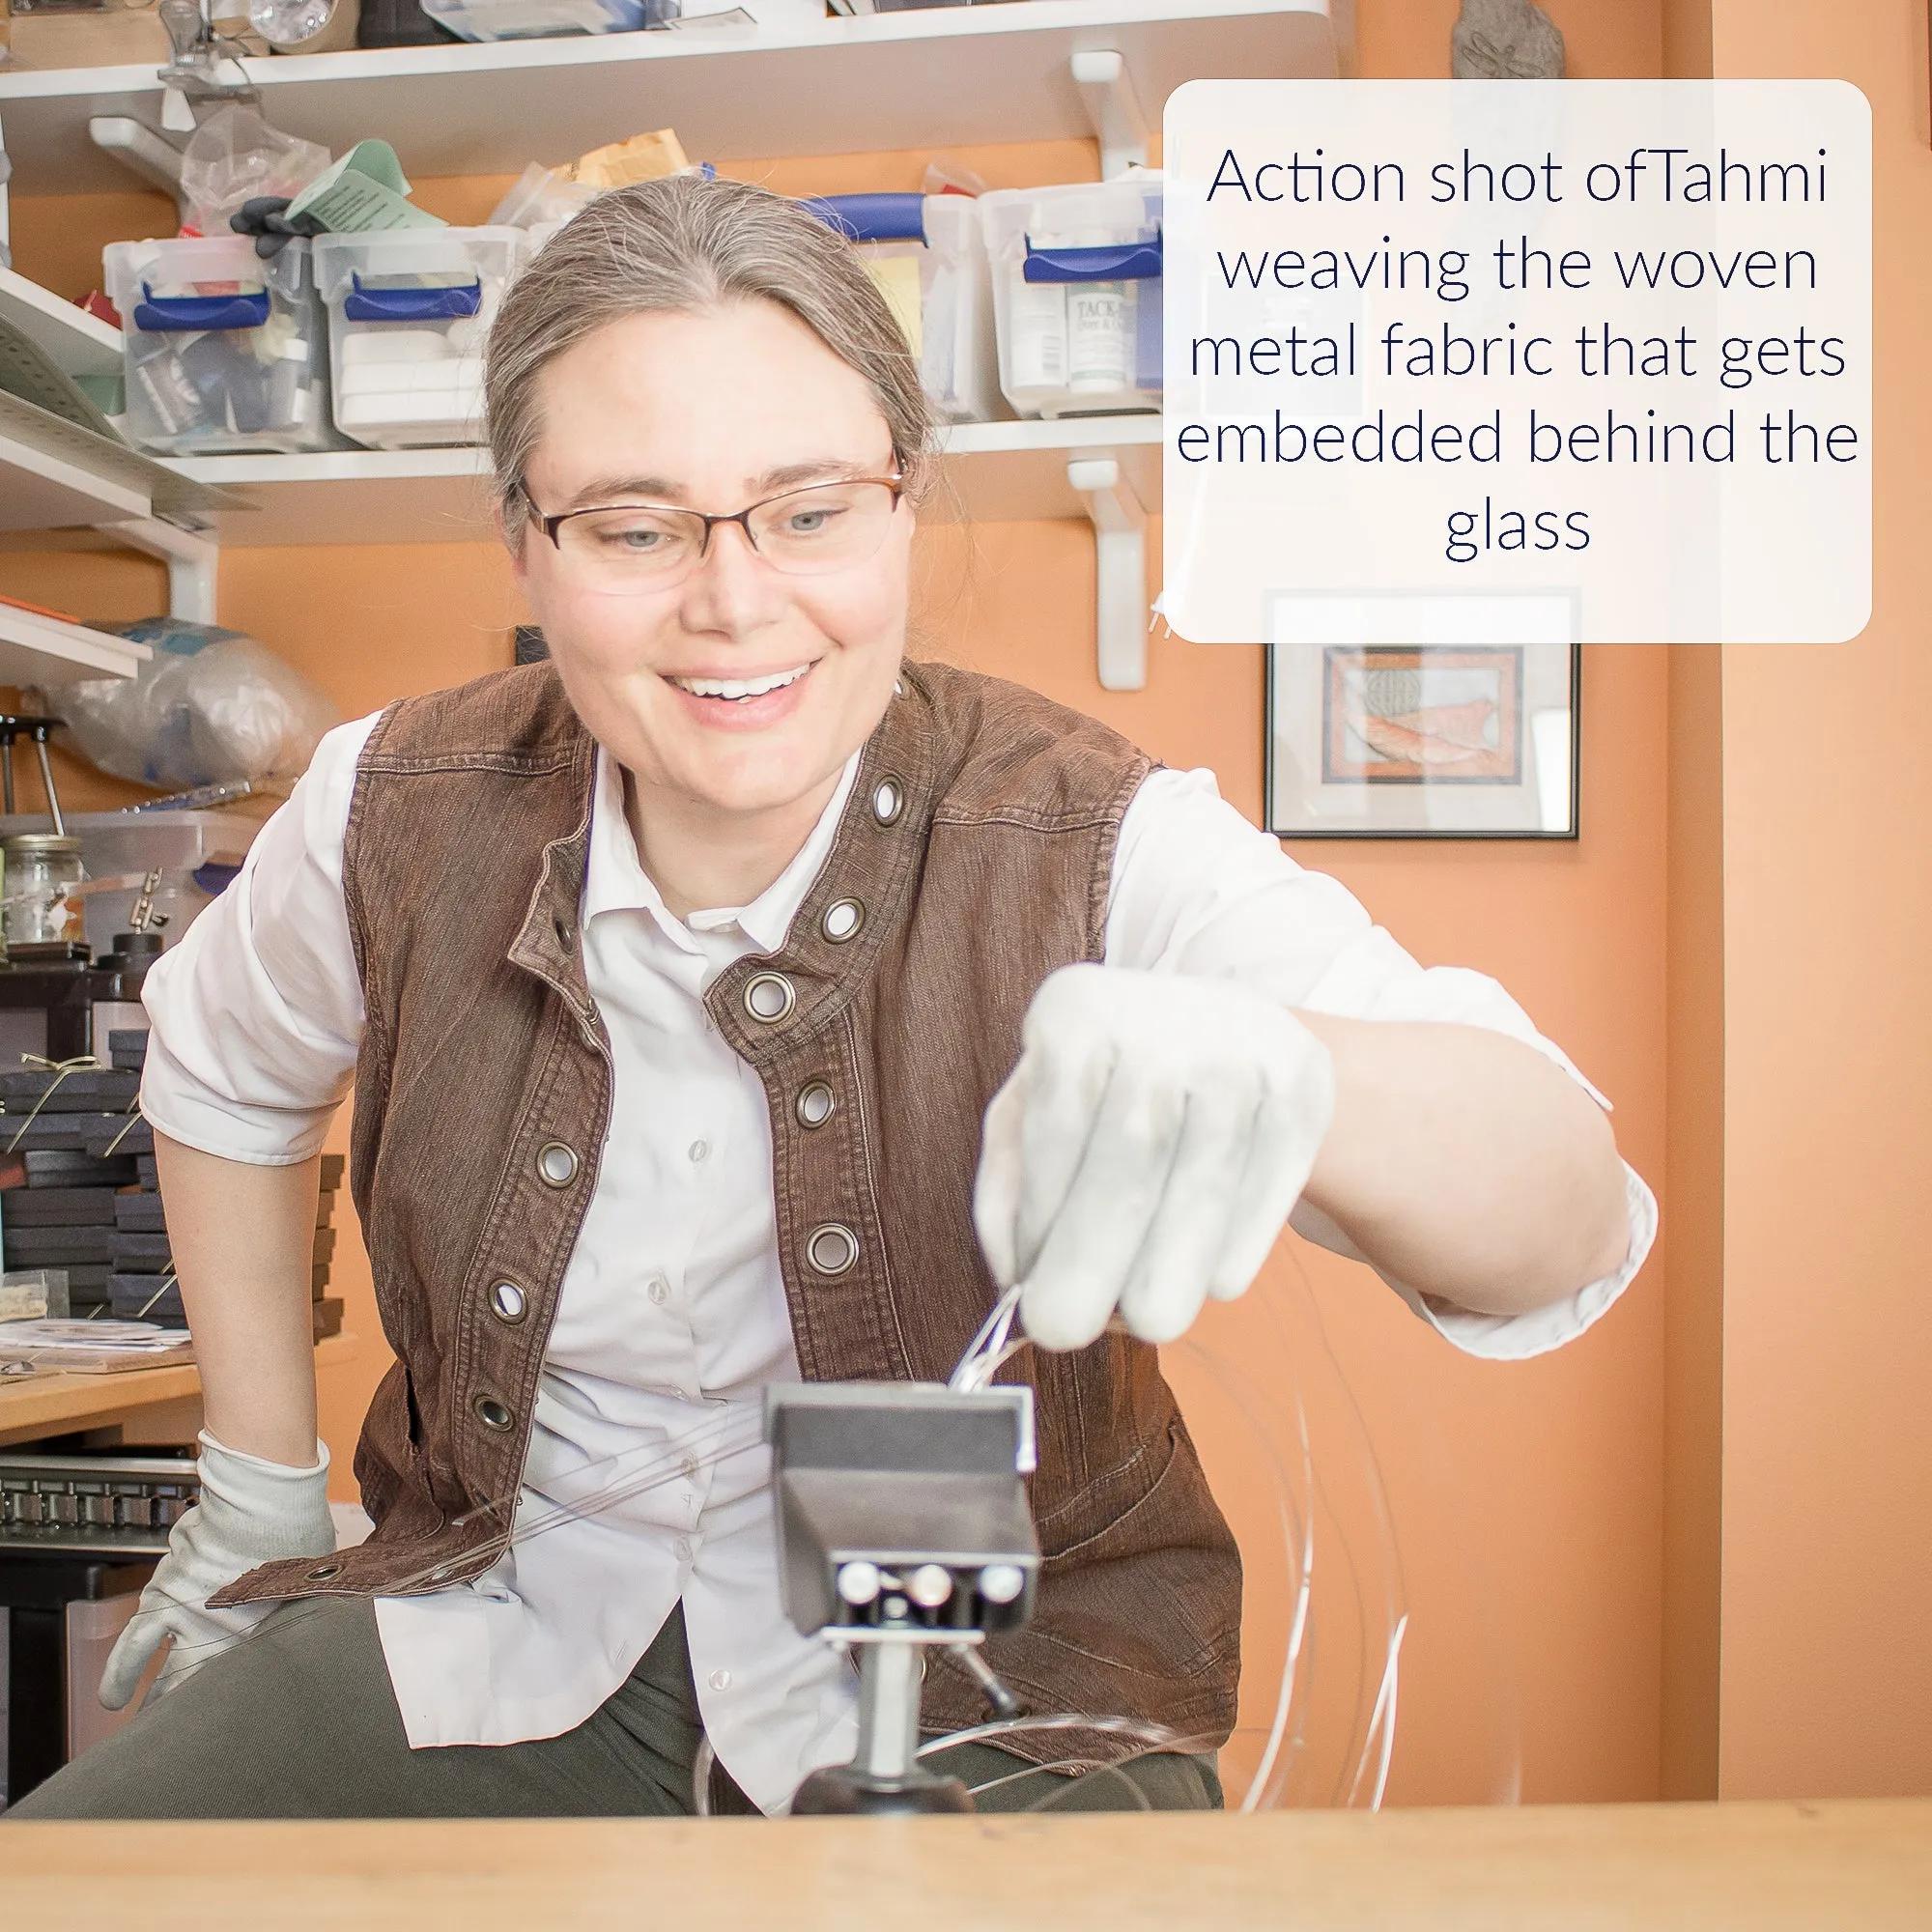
(1364, 1771)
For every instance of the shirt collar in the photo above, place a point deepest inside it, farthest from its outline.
(614, 879)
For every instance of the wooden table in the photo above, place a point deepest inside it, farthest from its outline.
(148, 1405)
(1651, 1868)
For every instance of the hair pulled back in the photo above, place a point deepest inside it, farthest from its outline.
(684, 246)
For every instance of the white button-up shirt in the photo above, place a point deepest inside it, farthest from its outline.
(646, 1482)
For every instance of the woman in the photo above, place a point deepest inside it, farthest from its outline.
(699, 991)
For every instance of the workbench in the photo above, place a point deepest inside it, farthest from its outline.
(147, 1405)
(1649, 1868)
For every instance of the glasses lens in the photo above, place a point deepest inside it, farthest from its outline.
(825, 527)
(631, 546)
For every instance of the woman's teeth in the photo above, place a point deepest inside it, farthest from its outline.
(738, 689)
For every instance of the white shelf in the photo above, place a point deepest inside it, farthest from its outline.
(39, 490)
(945, 77)
(36, 650)
(76, 342)
(996, 472)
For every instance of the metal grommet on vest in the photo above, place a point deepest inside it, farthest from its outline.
(769, 997)
(322, 1573)
(842, 919)
(492, 1413)
(889, 800)
(556, 1164)
(507, 1302)
(832, 1248)
(815, 1104)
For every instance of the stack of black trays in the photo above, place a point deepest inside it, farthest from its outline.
(79, 1191)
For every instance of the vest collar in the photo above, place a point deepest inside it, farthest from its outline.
(771, 1001)
(844, 918)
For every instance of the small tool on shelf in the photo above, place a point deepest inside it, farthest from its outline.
(14, 726)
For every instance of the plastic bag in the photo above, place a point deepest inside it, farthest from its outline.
(210, 706)
(542, 198)
(234, 157)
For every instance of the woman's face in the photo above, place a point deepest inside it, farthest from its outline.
(716, 411)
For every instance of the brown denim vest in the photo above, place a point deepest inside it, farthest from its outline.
(978, 845)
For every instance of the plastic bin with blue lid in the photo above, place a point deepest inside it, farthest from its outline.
(408, 311)
(1077, 295)
(223, 351)
(925, 253)
(547, 20)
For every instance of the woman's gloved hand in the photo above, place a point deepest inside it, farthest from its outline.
(250, 1513)
(1147, 1150)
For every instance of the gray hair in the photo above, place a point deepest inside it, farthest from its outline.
(681, 246)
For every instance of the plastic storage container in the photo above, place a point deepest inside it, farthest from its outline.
(196, 852)
(1077, 295)
(925, 253)
(222, 351)
(409, 309)
(547, 20)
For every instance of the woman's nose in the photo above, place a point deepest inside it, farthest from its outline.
(733, 589)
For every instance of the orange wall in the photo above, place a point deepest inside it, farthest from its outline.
(1527, 1499)
(1827, 1673)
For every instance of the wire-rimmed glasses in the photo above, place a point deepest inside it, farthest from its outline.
(623, 547)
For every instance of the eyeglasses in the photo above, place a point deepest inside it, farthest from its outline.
(634, 547)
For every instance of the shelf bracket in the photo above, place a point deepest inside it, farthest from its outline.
(137, 148)
(1120, 570)
(191, 559)
(1113, 107)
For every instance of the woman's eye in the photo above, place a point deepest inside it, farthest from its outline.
(808, 523)
(636, 539)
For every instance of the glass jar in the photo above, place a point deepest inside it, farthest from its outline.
(38, 871)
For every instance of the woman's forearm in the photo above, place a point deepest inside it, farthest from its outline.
(243, 1239)
(1468, 1165)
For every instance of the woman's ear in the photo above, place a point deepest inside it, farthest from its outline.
(513, 531)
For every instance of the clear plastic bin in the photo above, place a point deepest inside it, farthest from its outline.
(408, 310)
(925, 254)
(1077, 295)
(547, 20)
(195, 853)
(222, 351)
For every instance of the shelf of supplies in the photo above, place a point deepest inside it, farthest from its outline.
(993, 473)
(36, 649)
(80, 342)
(940, 78)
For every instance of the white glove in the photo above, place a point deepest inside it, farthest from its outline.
(250, 1513)
(1147, 1150)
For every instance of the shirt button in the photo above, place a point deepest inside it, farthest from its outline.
(690, 1468)
(681, 1549)
(698, 1151)
(720, 1679)
(658, 1288)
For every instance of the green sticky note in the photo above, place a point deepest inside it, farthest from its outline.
(364, 190)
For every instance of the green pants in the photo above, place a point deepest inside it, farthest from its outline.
(299, 1721)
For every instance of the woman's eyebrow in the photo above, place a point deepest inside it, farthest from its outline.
(603, 490)
(824, 469)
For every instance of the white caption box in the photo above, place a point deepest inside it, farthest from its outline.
(1608, 341)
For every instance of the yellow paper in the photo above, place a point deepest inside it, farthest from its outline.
(897, 278)
(642, 157)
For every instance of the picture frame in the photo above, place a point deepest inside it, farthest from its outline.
(1411, 730)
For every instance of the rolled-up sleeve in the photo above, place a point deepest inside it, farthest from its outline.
(256, 1014)
(1198, 889)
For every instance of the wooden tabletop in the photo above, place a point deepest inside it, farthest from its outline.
(1765, 1867)
(167, 1399)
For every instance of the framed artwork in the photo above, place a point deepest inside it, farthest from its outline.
(1423, 740)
